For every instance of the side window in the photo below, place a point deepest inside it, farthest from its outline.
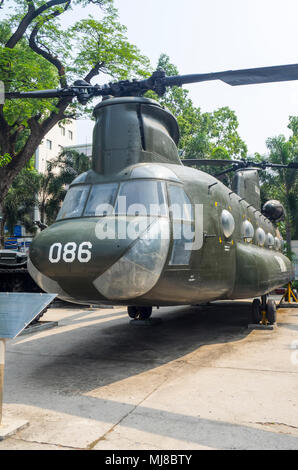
(74, 202)
(182, 214)
(227, 223)
(180, 205)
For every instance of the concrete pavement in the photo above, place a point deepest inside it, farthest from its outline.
(198, 380)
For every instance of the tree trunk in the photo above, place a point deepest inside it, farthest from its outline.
(38, 132)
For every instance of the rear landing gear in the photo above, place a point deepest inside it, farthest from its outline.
(264, 311)
(256, 311)
(139, 313)
(271, 311)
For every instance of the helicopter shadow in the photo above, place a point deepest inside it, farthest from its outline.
(88, 357)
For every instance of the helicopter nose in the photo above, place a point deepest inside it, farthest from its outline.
(139, 269)
(79, 259)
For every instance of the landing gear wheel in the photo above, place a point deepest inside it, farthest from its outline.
(132, 311)
(139, 313)
(256, 314)
(271, 311)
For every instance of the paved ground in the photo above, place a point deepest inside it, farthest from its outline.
(198, 380)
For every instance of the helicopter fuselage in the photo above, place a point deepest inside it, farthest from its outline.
(217, 247)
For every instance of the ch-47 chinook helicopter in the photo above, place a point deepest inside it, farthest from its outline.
(143, 229)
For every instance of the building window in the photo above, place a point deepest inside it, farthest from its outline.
(49, 144)
(70, 135)
(62, 130)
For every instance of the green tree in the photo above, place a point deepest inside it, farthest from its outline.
(203, 135)
(19, 203)
(53, 184)
(37, 53)
(283, 184)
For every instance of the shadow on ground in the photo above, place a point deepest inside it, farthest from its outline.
(96, 355)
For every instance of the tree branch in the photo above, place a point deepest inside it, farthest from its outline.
(31, 14)
(4, 130)
(94, 71)
(46, 54)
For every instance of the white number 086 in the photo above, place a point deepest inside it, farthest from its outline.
(69, 252)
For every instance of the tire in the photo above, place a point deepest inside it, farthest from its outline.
(256, 314)
(140, 313)
(144, 313)
(271, 311)
(132, 311)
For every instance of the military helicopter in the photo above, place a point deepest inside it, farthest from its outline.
(143, 228)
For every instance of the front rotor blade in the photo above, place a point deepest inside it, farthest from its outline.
(277, 73)
(39, 94)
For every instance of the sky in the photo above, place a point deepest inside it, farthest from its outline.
(212, 35)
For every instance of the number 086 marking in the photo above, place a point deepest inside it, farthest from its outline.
(70, 252)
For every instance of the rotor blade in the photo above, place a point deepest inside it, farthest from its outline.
(293, 165)
(40, 94)
(211, 162)
(277, 73)
(217, 175)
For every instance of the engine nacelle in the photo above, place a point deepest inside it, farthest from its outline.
(274, 210)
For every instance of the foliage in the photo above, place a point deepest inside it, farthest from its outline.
(44, 191)
(36, 52)
(4, 159)
(283, 184)
(203, 135)
(53, 184)
(20, 201)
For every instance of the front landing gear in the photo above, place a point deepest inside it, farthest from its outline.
(139, 313)
(263, 312)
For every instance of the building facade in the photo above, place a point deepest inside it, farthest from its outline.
(59, 137)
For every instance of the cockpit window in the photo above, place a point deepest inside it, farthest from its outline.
(101, 200)
(180, 205)
(141, 197)
(183, 225)
(137, 197)
(74, 202)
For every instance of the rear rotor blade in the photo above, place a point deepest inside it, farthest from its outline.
(211, 162)
(217, 175)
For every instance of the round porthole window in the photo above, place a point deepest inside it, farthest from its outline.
(247, 231)
(260, 236)
(277, 243)
(227, 223)
(270, 240)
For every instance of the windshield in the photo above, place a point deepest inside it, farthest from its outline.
(137, 197)
(141, 197)
(101, 200)
(74, 202)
